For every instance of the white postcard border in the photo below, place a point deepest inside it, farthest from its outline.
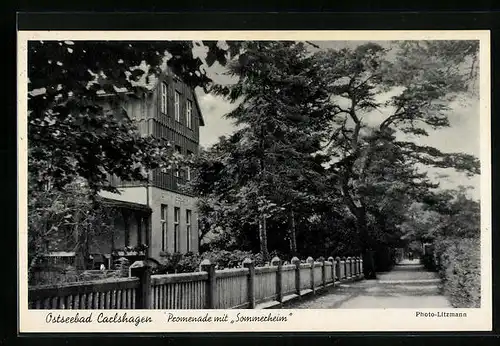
(296, 320)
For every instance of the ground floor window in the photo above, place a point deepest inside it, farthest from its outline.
(164, 227)
(177, 216)
(188, 229)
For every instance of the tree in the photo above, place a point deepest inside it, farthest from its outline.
(267, 166)
(78, 130)
(65, 219)
(357, 78)
(71, 134)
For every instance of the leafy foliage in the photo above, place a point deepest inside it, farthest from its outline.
(277, 167)
(267, 167)
(66, 218)
(460, 268)
(77, 127)
(190, 262)
(376, 170)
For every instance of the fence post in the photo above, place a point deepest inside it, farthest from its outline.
(211, 284)
(337, 268)
(355, 266)
(279, 289)
(343, 267)
(143, 292)
(349, 267)
(248, 263)
(361, 267)
(323, 271)
(310, 260)
(332, 261)
(296, 261)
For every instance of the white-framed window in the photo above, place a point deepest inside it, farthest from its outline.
(177, 217)
(164, 98)
(189, 112)
(164, 226)
(177, 104)
(188, 229)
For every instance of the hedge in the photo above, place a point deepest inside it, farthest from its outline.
(459, 266)
(190, 262)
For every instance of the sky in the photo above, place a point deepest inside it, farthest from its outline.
(461, 136)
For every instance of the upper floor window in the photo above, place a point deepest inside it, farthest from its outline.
(177, 106)
(189, 111)
(164, 98)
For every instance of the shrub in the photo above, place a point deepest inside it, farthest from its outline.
(190, 262)
(65, 274)
(54, 275)
(122, 264)
(178, 263)
(231, 259)
(459, 267)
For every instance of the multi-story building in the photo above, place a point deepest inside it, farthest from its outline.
(159, 214)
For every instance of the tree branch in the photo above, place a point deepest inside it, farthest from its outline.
(391, 119)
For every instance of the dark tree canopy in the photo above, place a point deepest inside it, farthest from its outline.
(72, 134)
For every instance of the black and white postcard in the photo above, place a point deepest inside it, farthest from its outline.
(254, 181)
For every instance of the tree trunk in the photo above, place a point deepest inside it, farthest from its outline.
(81, 251)
(292, 235)
(366, 245)
(359, 213)
(263, 238)
(32, 266)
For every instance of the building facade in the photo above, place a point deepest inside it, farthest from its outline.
(170, 112)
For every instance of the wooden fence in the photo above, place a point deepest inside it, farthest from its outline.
(247, 287)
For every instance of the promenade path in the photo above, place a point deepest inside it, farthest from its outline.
(408, 285)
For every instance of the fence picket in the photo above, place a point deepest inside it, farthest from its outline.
(209, 288)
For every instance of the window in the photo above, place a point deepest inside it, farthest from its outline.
(164, 98)
(179, 152)
(164, 227)
(188, 169)
(177, 216)
(188, 229)
(189, 111)
(177, 106)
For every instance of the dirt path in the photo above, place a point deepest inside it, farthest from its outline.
(408, 285)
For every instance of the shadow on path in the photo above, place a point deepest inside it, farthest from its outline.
(408, 285)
